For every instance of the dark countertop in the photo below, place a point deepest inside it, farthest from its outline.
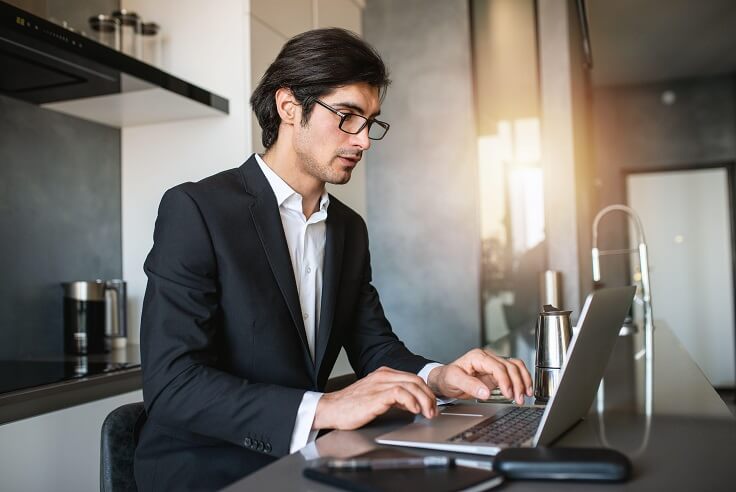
(687, 444)
(35, 386)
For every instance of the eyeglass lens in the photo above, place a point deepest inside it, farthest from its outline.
(353, 123)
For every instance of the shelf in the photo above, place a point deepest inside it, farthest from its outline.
(57, 69)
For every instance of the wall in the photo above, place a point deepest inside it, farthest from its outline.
(422, 177)
(210, 47)
(57, 451)
(59, 219)
(635, 129)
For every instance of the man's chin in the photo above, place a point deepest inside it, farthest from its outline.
(340, 178)
(340, 181)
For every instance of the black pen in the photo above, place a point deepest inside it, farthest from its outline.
(390, 463)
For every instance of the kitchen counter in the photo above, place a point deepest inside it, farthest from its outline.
(687, 444)
(35, 386)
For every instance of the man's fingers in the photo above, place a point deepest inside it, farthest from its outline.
(488, 380)
(516, 381)
(388, 375)
(525, 376)
(488, 364)
(425, 398)
(400, 396)
(470, 385)
(427, 404)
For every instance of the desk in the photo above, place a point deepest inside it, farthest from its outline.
(691, 442)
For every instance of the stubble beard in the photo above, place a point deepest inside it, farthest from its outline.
(323, 171)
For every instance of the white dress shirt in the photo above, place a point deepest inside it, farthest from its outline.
(305, 239)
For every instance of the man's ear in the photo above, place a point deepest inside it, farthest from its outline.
(287, 106)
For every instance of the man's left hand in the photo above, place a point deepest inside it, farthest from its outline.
(477, 373)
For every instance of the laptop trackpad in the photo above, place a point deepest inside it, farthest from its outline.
(450, 421)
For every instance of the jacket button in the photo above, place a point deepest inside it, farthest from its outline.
(248, 442)
(260, 446)
(267, 447)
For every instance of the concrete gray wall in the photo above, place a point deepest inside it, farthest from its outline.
(422, 188)
(635, 130)
(60, 219)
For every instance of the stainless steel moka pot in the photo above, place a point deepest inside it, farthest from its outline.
(554, 332)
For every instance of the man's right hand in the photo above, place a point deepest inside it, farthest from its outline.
(371, 396)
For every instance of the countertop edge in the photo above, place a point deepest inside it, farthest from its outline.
(31, 402)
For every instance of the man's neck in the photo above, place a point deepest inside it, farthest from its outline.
(288, 167)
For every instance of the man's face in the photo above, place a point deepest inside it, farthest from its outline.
(326, 152)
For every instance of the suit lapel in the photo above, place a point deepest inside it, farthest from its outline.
(330, 281)
(267, 219)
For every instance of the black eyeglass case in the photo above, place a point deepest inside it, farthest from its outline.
(575, 464)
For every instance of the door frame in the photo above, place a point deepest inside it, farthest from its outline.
(730, 167)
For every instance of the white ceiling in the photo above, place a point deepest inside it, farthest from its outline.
(636, 41)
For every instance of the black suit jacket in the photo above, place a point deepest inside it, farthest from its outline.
(224, 351)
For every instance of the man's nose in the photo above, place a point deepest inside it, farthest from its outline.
(361, 139)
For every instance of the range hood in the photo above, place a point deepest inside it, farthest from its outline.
(48, 65)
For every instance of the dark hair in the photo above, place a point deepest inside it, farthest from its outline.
(312, 64)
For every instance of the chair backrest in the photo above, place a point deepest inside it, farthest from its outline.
(118, 441)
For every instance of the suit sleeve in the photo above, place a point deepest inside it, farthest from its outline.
(371, 342)
(182, 387)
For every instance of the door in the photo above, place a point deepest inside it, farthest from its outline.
(686, 216)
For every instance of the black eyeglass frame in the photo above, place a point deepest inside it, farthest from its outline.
(368, 121)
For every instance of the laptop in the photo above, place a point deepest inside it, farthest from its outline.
(488, 428)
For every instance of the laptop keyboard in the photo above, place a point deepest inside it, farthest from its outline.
(512, 428)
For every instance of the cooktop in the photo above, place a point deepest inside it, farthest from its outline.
(22, 374)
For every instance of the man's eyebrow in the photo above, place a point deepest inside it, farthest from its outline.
(355, 107)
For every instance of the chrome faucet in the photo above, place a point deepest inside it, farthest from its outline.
(645, 300)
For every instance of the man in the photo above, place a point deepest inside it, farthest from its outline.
(258, 277)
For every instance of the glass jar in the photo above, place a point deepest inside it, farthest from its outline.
(130, 28)
(105, 30)
(151, 43)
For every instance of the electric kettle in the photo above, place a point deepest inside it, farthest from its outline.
(94, 316)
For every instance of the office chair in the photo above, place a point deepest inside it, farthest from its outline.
(120, 432)
(119, 438)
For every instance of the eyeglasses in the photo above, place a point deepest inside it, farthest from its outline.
(354, 123)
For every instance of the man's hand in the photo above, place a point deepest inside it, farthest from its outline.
(478, 372)
(371, 396)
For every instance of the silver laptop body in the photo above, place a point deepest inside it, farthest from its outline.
(599, 324)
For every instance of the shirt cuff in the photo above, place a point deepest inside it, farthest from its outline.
(424, 374)
(303, 432)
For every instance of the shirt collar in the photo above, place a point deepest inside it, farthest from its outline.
(285, 194)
